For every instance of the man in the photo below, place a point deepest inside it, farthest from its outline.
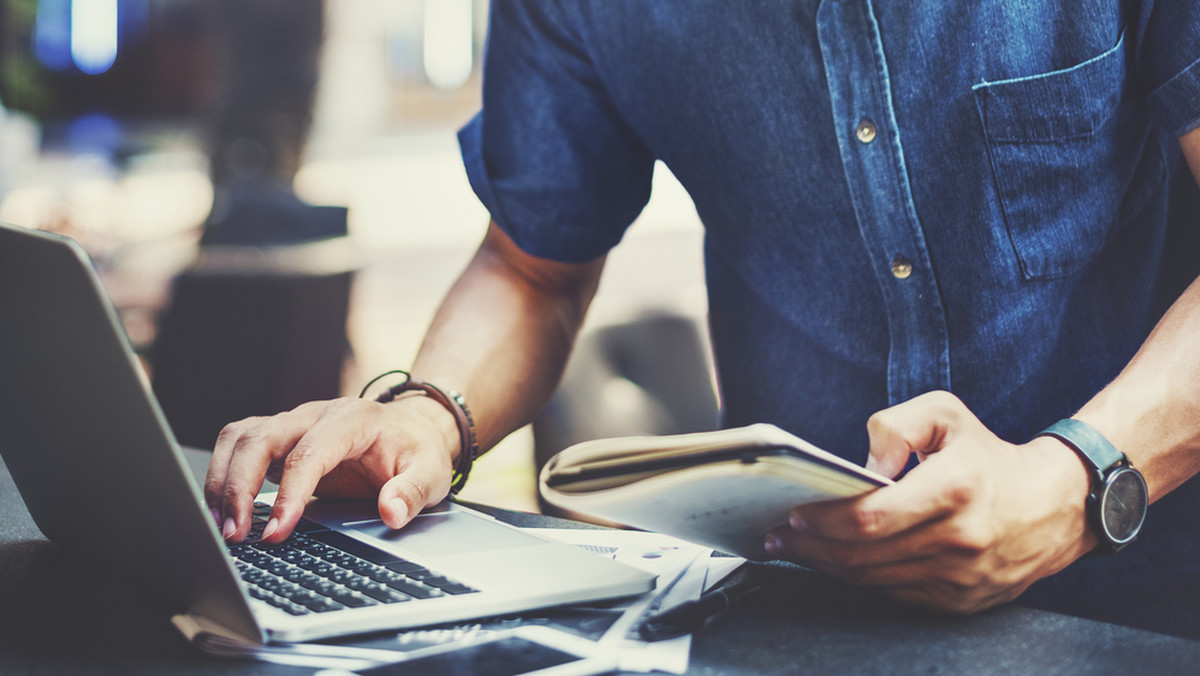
(901, 200)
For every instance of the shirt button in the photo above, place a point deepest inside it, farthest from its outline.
(865, 131)
(901, 267)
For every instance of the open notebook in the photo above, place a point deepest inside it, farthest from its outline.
(724, 489)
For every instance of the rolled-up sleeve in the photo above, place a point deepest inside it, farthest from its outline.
(1169, 62)
(549, 154)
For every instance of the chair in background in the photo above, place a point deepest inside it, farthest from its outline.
(252, 330)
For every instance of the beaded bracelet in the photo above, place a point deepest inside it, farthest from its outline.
(453, 402)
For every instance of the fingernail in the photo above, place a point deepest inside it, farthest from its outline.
(270, 528)
(229, 528)
(797, 523)
(400, 508)
(772, 545)
(216, 514)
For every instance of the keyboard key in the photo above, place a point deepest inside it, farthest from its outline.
(432, 580)
(457, 589)
(413, 589)
(357, 582)
(440, 582)
(297, 575)
(294, 556)
(309, 581)
(326, 588)
(343, 576)
(323, 568)
(383, 594)
(313, 547)
(340, 559)
(383, 575)
(365, 568)
(322, 606)
(306, 526)
(327, 570)
(406, 567)
(354, 547)
(351, 600)
(302, 597)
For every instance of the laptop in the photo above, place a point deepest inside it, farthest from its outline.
(102, 475)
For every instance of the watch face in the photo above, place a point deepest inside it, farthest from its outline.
(1123, 505)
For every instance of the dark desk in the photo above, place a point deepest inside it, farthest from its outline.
(56, 617)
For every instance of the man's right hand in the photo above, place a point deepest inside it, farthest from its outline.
(401, 452)
(501, 337)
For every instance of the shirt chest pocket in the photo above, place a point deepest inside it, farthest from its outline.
(1065, 148)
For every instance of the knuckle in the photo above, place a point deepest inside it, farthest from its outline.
(419, 490)
(944, 400)
(943, 405)
(970, 538)
(237, 430)
(300, 456)
(960, 489)
(963, 581)
(213, 490)
(333, 406)
(249, 435)
(866, 522)
(230, 433)
(880, 422)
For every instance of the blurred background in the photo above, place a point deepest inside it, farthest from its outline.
(272, 193)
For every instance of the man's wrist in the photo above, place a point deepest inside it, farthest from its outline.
(1073, 486)
(442, 423)
(449, 400)
(1118, 496)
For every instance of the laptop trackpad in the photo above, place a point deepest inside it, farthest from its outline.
(448, 533)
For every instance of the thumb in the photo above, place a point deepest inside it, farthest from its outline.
(919, 425)
(423, 482)
(399, 501)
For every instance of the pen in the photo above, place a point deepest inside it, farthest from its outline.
(691, 615)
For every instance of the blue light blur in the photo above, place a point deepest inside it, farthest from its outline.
(86, 36)
(52, 34)
(94, 35)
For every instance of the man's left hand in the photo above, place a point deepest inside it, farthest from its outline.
(972, 526)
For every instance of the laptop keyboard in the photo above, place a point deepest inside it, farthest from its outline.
(317, 570)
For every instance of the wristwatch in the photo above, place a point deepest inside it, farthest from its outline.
(1118, 499)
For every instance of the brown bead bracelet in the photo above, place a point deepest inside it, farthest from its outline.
(453, 402)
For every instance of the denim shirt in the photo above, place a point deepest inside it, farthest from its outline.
(985, 197)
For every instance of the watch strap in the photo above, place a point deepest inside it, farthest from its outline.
(1088, 442)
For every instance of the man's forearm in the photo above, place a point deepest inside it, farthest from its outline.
(1152, 410)
(504, 331)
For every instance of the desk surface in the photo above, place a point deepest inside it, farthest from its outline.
(56, 617)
